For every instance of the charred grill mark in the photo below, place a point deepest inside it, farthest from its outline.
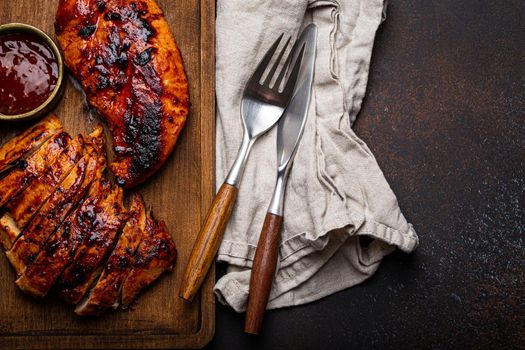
(21, 164)
(62, 139)
(132, 128)
(144, 57)
(39, 136)
(147, 29)
(112, 52)
(31, 258)
(103, 82)
(159, 249)
(149, 143)
(112, 16)
(112, 62)
(66, 231)
(123, 262)
(87, 31)
(52, 247)
(122, 74)
(101, 5)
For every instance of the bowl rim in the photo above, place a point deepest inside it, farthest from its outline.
(15, 27)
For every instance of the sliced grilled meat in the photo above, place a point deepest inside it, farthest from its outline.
(95, 248)
(106, 293)
(32, 138)
(57, 207)
(131, 70)
(156, 253)
(40, 276)
(26, 204)
(18, 178)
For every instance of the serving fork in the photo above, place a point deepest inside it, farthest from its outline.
(262, 105)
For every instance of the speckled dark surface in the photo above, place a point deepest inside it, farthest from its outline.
(445, 118)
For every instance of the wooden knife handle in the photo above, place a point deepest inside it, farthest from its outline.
(208, 241)
(263, 272)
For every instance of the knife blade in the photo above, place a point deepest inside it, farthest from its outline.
(289, 132)
(291, 126)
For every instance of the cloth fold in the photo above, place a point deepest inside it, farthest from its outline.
(336, 192)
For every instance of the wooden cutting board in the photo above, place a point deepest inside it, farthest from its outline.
(179, 194)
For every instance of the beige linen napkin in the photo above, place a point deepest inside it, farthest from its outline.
(336, 192)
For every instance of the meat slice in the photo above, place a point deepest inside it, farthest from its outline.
(32, 138)
(106, 293)
(66, 196)
(26, 204)
(128, 64)
(18, 178)
(87, 264)
(40, 276)
(156, 253)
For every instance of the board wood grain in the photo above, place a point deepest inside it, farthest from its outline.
(180, 193)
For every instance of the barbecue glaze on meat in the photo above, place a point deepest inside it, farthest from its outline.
(19, 177)
(70, 191)
(156, 253)
(25, 205)
(88, 261)
(29, 140)
(61, 247)
(126, 59)
(106, 293)
(65, 228)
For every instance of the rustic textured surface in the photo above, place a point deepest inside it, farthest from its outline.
(179, 193)
(445, 117)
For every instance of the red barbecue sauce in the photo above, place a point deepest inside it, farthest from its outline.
(28, 72)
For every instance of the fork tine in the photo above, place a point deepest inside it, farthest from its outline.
(265, 61)
(292, 78)
(283, 70)
(276, 64)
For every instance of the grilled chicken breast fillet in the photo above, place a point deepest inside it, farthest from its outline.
(29, 140)
(40, 276)
(106, 293)
(126, 59)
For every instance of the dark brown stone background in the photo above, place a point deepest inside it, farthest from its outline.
(444, 116)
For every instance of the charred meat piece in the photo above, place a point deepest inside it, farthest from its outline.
(70, 191)
(155, 254)
(32, 138)
(126, 59)
(26, 204)
(18, 178)
(87, 264)
(106, 293)
(59, 250)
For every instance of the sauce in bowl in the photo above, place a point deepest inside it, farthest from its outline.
(28, 72)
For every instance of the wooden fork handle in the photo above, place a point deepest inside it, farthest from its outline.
(263, 272)
(208, 241)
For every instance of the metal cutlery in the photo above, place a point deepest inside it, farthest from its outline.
(289, 132)
(263, 103)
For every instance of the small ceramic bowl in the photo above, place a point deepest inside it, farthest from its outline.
(56, 94)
